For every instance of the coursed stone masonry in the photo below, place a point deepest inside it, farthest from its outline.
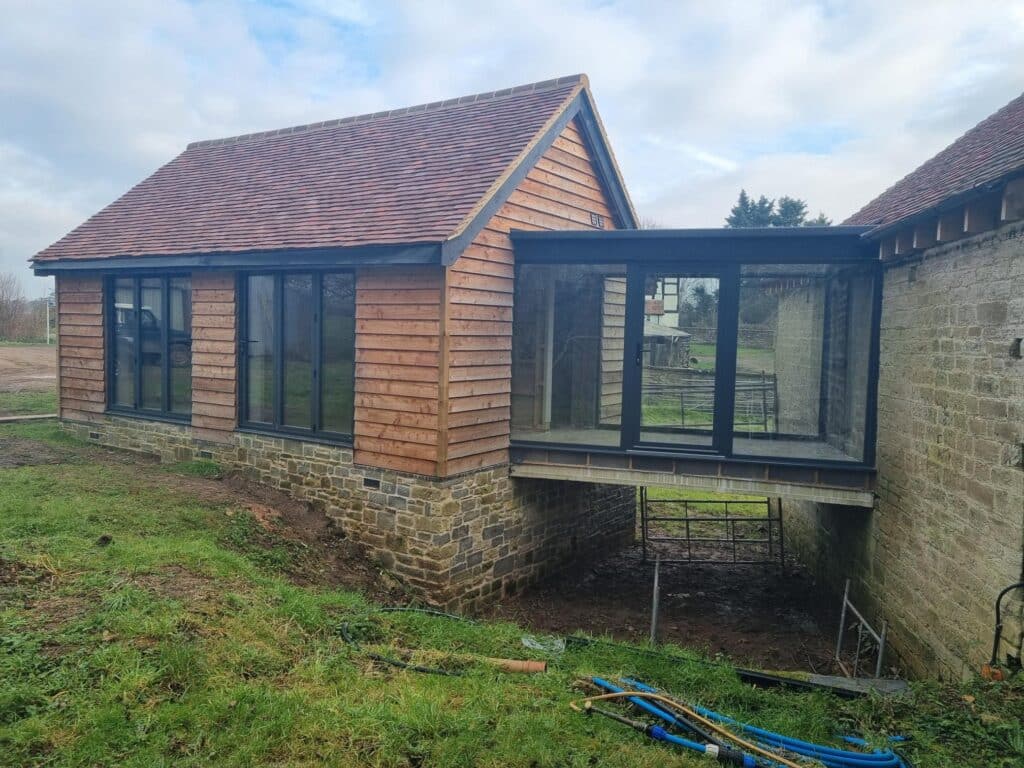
(948, 531)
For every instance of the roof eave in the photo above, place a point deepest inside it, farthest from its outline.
(293, 258)
(881, 231)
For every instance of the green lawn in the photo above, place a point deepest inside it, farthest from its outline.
(27, 403)
(748, 359)
(143, 626)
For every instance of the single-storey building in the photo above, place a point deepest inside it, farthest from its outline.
(432, 321)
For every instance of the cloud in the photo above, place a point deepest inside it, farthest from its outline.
(831, 101)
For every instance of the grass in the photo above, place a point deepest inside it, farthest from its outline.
(27, 403)
(140, 625)
(748, 359)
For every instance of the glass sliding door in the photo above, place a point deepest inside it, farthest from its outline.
(677, 357)
(568, 342)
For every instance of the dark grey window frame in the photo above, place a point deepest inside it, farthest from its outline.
(722, 251)
(164, 413)
(278, 427)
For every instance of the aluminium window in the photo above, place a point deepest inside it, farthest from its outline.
(149, 331)
(298, 353)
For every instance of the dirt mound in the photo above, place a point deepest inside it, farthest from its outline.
(323, 555)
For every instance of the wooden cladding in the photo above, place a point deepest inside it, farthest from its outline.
(398, 364)
(561, 191)
(81, 374)
(214, 356)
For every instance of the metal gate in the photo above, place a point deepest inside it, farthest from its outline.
(712, 531)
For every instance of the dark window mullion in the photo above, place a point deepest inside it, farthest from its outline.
(278, 315)
(317, 348)
(165, 344)
(137, 351)
(725, 361)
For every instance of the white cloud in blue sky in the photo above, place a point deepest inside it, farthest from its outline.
(830, 101)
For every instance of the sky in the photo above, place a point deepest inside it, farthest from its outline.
(829, 101)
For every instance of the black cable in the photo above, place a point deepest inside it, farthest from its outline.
(427, 611)
(393, 662)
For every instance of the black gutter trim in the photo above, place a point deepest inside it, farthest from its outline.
(296, 258)
(697, 233)
(810, 245)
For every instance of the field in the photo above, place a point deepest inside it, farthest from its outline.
(154, 615)
(28, 379)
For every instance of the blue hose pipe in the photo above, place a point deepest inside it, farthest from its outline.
(660, 734)
(831, 757)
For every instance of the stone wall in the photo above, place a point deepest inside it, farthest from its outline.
(948, 531)
(458, 542)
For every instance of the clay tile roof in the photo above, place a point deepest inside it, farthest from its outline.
(403, 176)
(990, 151)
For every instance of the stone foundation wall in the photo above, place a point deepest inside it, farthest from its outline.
(948, 531)
(458, 542)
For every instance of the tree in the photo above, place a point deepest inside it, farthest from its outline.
(12, 305)
(751, 213)
(789, 212)
(785, 212)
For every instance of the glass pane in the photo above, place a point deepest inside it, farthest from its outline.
(298, 351)
(802, 362)
(259, 349)
(123, 316)
(677, 393)
(179, 338)
(151, 349)
(337, 375)
(567, 348)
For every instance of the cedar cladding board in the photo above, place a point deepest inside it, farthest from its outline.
(559, 192)
(214, 356)
(81, 374)
(398, 318)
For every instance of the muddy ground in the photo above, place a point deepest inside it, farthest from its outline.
(28, 368)
(761, 616)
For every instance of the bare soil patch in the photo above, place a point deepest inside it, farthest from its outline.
(23, 452)
(756, 615)
(28, 368)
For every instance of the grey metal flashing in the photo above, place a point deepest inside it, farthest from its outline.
(298, 258)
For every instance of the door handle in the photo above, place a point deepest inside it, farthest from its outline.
(639, 354)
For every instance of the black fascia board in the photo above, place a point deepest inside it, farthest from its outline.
(593, 137)
(453, 248)
(797, 245)
(581, 108)
(294, 258)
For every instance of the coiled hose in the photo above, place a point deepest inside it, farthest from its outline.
(830, 756)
